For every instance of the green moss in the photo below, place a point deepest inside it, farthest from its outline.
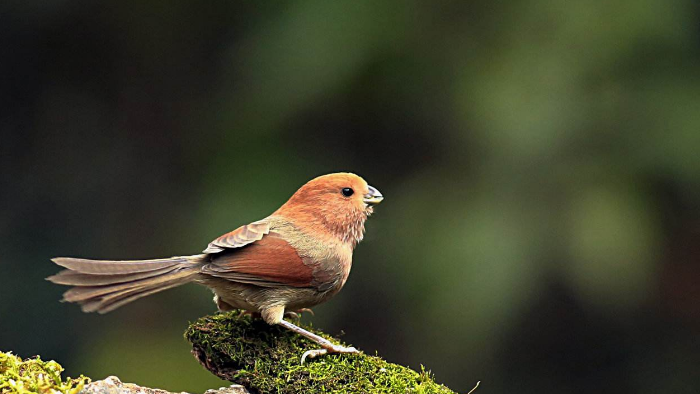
(19, 376)
(266, 359)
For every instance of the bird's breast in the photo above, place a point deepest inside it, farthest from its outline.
(328, 257)
(330, 268)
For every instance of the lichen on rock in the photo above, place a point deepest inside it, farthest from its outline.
(34, 375)
(266, 359)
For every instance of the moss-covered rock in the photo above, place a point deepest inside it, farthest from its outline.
(31, 376)
(266, 359)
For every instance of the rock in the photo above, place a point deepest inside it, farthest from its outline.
(267, 359)
(233, 389)
(112, 385)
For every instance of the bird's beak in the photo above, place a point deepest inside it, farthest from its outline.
(373, 196)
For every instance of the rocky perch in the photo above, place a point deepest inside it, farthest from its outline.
(257, 357)
(266, 359)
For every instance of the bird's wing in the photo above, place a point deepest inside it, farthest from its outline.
(239, 237)
(269, 262)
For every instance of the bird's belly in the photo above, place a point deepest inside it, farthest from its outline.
(254, 298)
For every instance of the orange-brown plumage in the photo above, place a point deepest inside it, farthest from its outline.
(268, 262)
(318, 209)
(297, 257)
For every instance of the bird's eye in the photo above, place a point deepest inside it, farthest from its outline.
(347, 192)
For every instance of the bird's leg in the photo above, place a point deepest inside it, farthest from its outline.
(327, 346)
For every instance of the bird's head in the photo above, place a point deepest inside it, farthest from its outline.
(338, 203)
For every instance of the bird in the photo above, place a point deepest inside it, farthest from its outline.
(294, 259)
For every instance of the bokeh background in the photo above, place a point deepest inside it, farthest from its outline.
(539, 159)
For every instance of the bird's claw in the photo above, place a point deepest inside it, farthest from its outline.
(312, 354)
(302, 310)
(292, 315)
(331, 349)
(296, 314)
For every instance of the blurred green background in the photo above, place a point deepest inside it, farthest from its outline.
(539, 160)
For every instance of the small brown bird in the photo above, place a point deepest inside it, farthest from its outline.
(298, 257)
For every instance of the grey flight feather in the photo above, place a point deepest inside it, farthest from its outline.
(110, 267)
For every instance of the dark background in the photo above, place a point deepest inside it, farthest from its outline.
(539, 160)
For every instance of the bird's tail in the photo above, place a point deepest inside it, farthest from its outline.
(103, 285)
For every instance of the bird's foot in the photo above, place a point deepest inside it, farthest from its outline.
(296, 314)
(292, 315)
(308, 310)
(326, 350)
(327, 346)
